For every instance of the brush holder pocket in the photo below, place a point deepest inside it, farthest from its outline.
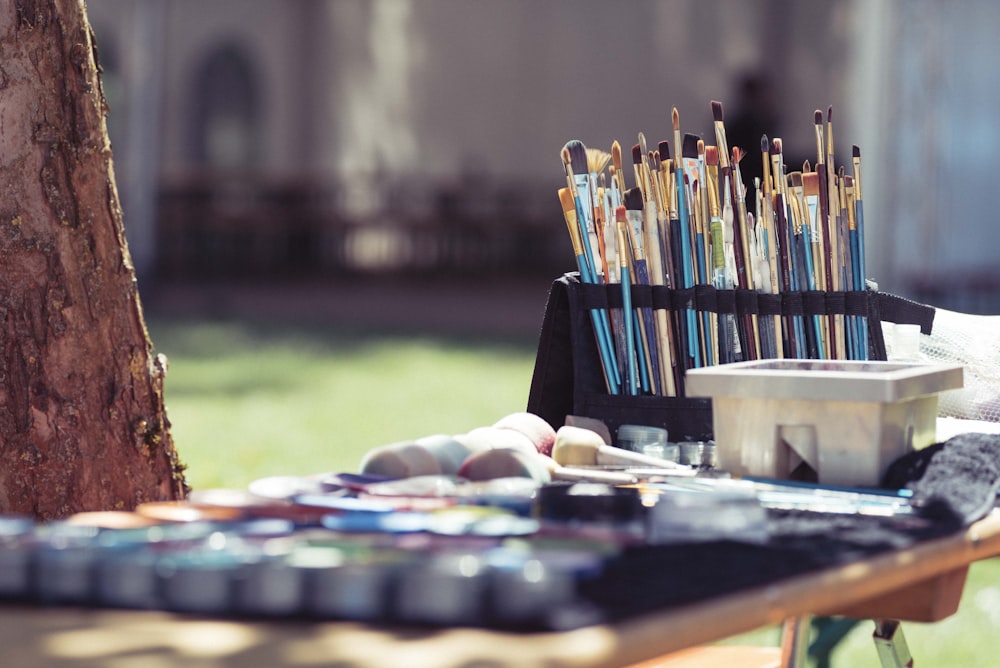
(569, 378)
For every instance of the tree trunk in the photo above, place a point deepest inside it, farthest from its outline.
(82, 420)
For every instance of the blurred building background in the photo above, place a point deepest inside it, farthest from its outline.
(276, 139)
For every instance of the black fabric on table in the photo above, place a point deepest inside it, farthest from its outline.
(954, 484)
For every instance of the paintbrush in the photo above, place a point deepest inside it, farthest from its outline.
(803, 247)
(810, 196)
(727, 343)
(768, 239)
(672, 262)
(625, 251)
(616, 162)
(597, 160)
(745, 227)
(820, 218)
(859, 221)
(835, 251)
(796, 266)
(823, 221)
(670, 204)
(733, 215)
(672, 255)
(613, 199)
(575, 163)
(693, 150)
(640, 178)
(645, 168)
(859, 216)
(787, 277)
(656, 225)
(648, 359)
(706, 326)
(768, 327)
(848, 243)
(729, 187)
(649, 219)
(686, 268)
(571, 208)
(703, 276)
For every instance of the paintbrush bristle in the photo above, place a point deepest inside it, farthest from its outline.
(701, 146)
(578, 156)
(829, 114)
(675, 119)
(636, 155)
(810, 183)
(738, 154)
(633, 199)
(717, 111)
(664, 147)
(712, 156)
(616, 154)
(567, 201)
(689, 149)
(795, 178)
(856, 151)
(806, 167)
(776, 145)
(818, 117)
(597, 160)
(765, 144)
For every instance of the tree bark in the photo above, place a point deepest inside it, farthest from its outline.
(82, 420)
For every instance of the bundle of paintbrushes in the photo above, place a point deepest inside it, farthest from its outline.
(705, 276)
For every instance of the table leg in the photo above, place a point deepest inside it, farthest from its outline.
(795, 641)
(891, 645)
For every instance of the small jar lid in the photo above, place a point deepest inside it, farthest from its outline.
(636, 436)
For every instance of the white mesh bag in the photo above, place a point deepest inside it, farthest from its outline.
(956, 338)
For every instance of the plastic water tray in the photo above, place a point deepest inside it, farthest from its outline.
(846, 420)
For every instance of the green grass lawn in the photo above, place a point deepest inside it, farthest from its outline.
(250, 400)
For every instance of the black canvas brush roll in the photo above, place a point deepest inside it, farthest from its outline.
(568, 377)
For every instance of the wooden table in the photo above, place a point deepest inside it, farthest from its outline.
(921, 583)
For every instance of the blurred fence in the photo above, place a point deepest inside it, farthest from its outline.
(245, 229)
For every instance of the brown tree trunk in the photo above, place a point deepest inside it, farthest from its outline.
(82, 420)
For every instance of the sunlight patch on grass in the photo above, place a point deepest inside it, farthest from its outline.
(247, 402)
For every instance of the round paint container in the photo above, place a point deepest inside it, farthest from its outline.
(339, 589)
(64, 562)
(444, 589)
(127, 578)
(182, 511)
(524, 590)
(271, 585)
(637, 437)
(17, 543)
(697, 453)
(200, 580)
(284, 487)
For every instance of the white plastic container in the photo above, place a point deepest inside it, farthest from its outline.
(847, 420)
